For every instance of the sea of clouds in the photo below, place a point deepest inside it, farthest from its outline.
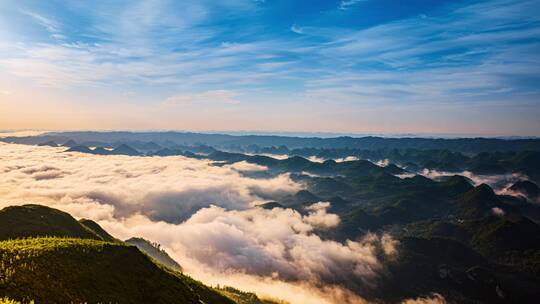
(499, 182)
(205, 216)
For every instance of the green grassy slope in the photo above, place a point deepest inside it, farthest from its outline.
(154, 251)
(35, 220)
(96, 228)
(64, 270)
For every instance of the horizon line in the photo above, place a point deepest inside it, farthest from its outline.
(299, 134)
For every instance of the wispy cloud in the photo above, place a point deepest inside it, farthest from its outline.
(435, 46)
(49, 24)
(296, 29)
(347, 4)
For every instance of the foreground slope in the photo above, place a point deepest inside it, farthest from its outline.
(64, 270)
(49, 257)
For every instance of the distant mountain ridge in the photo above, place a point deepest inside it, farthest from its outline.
(123, 149)
(504, 156)
(167, 139)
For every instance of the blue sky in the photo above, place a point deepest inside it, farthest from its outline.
(365, 66)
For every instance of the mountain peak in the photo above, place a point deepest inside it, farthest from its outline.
(70, 143)
(36, 220)
(81, 149)
(527, 188)
(124, 149)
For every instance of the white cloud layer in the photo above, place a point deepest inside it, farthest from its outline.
(496, 181)
(318, 216)
(244, 166)
(162, 188)
(273, 252)
(348, 158)
(205, 216)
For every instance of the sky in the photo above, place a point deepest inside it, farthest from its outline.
(346, 66)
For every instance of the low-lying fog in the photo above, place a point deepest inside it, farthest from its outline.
(203, 215)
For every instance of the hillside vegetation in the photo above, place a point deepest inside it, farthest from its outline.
(155, 251)
(36, 221)
(47, 256)
(64, 270)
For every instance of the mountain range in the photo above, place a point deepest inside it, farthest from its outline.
(253, 143)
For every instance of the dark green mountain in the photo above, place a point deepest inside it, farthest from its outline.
(98, 230)
(527, 188)
(124, 149)
(479, 202)
(456, 185)
(154, 251)
(271, 205)
(495, 235)
(67, 270)
(81, 149)
(70, 143)
(40, 221)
